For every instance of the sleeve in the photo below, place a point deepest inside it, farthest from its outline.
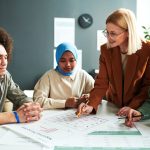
(16, 95)
(145, 109)
(42, 94)
(100, 85)
(138, 100)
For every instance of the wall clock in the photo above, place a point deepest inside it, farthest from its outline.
(85, 20)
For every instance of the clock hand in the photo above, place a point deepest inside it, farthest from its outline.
(86, 19)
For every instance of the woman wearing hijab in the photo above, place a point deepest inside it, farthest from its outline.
(67, 85)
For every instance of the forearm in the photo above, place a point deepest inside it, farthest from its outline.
(48, 103)
(18, 100)
(95, 99)
(7, 117)
(145, 109)
(138, 100)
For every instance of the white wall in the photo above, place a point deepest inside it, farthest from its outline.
(143, 16)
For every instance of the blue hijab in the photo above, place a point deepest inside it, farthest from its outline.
(60, 50)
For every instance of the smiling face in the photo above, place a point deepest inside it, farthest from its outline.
(67, 62)
(116, 36)
(3, 60)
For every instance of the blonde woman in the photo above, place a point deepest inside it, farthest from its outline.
(124, 66)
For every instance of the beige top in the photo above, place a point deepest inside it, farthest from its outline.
(124, 59)
(52, 90)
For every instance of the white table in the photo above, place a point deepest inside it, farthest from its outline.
(62, 130)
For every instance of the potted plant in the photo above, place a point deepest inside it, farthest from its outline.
(146, 33)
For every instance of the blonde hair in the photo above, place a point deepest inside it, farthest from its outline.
(125, 19)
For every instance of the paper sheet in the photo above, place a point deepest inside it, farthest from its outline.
(66, 124)
(62, 129)
(105, 142)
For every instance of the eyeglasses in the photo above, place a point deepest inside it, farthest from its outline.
(112, 35)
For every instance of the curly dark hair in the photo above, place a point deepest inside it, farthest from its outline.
(6, 41)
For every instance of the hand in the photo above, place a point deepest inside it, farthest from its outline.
(84, 109)
(85, 96)
(29, 112)
(123, 111)
(74, 102)
(82, 99)
(71, 103)
(130, 120)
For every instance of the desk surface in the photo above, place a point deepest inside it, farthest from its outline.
(62, 130)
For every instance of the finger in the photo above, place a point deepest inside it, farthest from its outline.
(123, 111)
(32, 113)
(33, 118)
(79, 111)
(136, 119)
(85, 109)
(119, 113)
(26, 106)
(20, 108)
(129, 123)
(130, 114)
(36, 107)
(32, 106)
(81, 107)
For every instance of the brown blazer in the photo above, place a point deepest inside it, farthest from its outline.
(109, 80)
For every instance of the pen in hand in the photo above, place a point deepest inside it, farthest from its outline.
(79, 113)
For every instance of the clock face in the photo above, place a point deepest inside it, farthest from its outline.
(85, 20)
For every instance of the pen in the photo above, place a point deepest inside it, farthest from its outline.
(79, 113)
(125, 117)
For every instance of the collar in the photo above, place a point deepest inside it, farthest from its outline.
(72, 77)
(1, 77)
(58, 69)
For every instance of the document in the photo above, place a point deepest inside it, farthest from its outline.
(103, 142)
(64, 124)
(109, 145)
(63, 130)
(12, 140)
(3, 131)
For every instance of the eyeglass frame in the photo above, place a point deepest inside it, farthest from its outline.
(112, 35)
